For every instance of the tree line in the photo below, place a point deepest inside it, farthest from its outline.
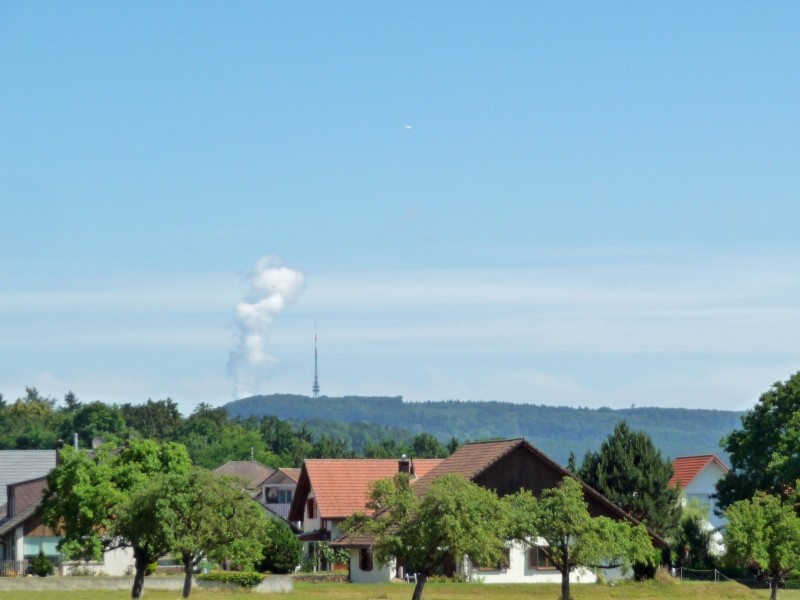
(36, 421)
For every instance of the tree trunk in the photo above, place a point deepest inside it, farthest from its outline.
(421, 579)
(565, 573)
(188, 570)
(773, 586)
(140, 562)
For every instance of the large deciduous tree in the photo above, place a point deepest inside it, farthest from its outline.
(764, 532)
(454, 519)
(763, 452)
(573, 537)
(630, 471)
(91, 501)
(200, 514)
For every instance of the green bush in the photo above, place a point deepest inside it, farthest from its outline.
(240, 578)
(281, 551)
(41, 565)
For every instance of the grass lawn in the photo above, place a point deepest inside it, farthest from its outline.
(448, 591)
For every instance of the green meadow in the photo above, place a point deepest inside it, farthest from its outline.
(449, 591)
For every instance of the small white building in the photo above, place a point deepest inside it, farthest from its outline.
(697, 477)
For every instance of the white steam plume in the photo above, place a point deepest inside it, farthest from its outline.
(272, 287)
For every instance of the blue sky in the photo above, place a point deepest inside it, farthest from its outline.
(586, 204)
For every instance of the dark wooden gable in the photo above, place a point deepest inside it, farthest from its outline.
(526, 468)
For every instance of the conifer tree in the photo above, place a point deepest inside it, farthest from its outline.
(630, 471)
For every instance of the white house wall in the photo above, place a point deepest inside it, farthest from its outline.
(116, 562)
(378, 574)
(702, 487)
(518, 571)
(316, 522)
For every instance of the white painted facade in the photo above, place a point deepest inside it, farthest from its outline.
(519, 570)
(522, 569)
(702, 486)
(311, 523)
(116, 562)
(377, 574)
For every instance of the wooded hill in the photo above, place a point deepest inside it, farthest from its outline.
(556, 430)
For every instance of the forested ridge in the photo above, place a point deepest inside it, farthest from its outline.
(284, 429)
(557, 430)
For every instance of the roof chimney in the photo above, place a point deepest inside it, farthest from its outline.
(406, 465)
(59, 446)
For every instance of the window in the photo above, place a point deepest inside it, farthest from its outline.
(278, 496)
(310, 509)
(538, 559)
(365, 559)
(31, 546)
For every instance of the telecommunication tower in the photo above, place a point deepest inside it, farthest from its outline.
(315, 387)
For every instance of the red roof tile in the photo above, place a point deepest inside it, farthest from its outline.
(686, 468)
(341, 485)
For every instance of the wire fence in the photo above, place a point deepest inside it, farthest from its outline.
(13, 568)
(701, 575)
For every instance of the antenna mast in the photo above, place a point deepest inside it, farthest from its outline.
(315, 387)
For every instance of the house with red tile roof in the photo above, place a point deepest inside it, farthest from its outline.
(697, 476)
(331, 489)
(505, 466)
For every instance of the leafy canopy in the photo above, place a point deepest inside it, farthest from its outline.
(200, 514)
(573, 537)
(763, 452)
(764, 532)
(91, 501)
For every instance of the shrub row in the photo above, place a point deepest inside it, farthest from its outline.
(241, 578)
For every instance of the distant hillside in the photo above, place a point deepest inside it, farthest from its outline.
(557, 430)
